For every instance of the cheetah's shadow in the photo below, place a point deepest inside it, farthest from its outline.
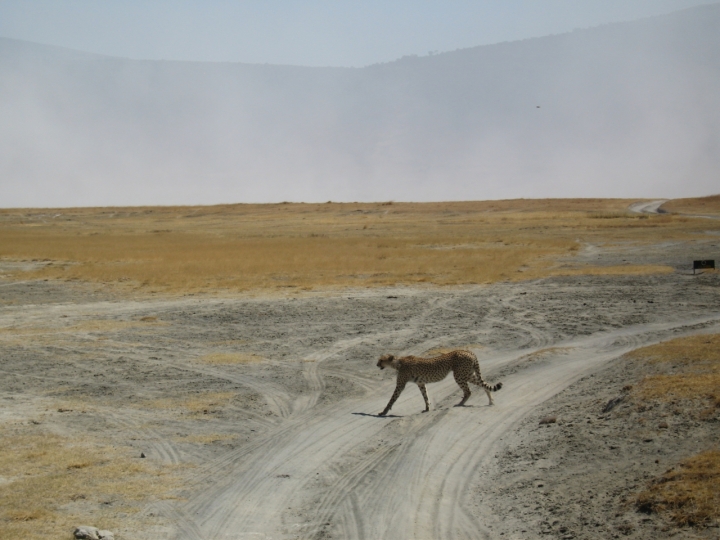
(376, 415)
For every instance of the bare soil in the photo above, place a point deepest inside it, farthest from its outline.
(289, 444)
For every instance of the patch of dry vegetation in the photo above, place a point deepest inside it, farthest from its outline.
(88, 331)
(692, 367)
(699, 205)
(50, 484)
(98, 325)
(689, 493)
(230, 358)
(207, 438)
(624, 270)
(202, 403)
(304, 246)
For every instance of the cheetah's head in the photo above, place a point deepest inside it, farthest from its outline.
(385, 361)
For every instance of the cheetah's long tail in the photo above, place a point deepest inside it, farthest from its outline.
(481, 382)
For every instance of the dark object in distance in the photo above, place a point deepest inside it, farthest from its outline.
(703, 265)
(610, 405)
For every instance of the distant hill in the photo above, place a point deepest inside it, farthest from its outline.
(624, 110)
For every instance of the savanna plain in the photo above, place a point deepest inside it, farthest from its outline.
(199, 373)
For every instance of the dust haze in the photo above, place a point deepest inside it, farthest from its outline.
(621, 110)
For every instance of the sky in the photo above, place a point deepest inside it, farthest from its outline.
(629, 110)
(304, 32)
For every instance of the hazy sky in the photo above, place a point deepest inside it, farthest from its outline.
(304, 32)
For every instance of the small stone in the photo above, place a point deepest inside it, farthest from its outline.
(106, 535)
(548, 420)
(142, 454)
(85, 532)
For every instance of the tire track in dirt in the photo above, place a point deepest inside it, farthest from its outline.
(239, 455)
(277, 398)
(177, 516)
(259, 494)
(312, 372)
(344, 487)
(155, 444)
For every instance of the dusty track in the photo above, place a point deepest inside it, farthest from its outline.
(648, 207)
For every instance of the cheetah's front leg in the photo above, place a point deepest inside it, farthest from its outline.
(398, 390)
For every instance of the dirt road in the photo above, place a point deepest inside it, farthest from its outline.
(648, 207)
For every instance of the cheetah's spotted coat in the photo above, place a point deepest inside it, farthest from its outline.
(421, 371)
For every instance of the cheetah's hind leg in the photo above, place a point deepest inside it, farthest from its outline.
(489, 395)
(479, 381)
(423, 391)
(466, 392)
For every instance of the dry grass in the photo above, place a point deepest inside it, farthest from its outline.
(92, 326)
(699, 205)
(230, 358)
(306, 246)
(623, 270)
(689, 493)
(208, 438)
(198, 404)
(693, 365)
(50, 484)
(89, 332)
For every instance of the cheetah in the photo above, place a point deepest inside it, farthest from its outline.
(463, 364)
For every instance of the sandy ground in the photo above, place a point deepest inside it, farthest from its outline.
(294, 448)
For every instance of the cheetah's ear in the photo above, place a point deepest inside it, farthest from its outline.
(390, 357)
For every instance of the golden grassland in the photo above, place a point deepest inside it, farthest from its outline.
(689, 493)
(699, 205)
(50, 483)
(696, 373)
(306, 246)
